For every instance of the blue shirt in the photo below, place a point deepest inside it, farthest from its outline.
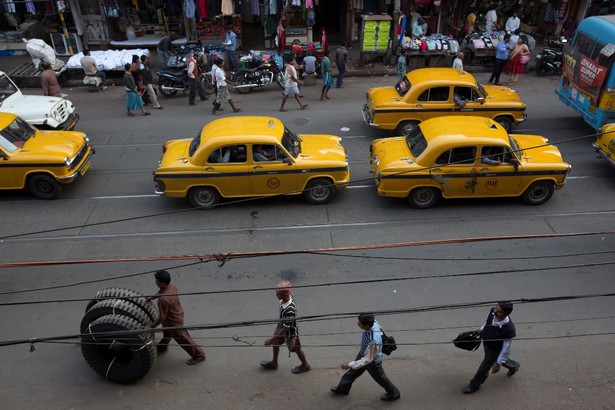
(232, 39)
(502, 51)
(372, 336)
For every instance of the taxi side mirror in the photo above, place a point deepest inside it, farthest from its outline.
(481, 100)
(286, 161)
(3, 156)
(515, 162)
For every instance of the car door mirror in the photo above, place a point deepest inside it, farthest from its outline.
(3, 156)
(515, 162)
(480, 100)
(286, 161)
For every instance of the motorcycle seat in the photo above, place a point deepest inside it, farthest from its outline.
(178, 76)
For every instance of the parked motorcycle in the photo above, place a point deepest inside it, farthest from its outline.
(267, 73)
(549, 61)
(169, 84)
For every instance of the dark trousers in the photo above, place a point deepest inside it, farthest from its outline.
(192, 97)
(182, 337)
(103, 77)
(375, 370)
(340, 76)
(491, 357)
(498, 66)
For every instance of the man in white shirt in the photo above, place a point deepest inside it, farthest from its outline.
(458, 61)
(291, 84)
(513, 23)
(220, 83)
(90, 68)
(491, 20)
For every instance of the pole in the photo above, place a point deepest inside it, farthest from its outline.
(68, 43)
(396, 14)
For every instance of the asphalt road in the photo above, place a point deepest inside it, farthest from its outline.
(113, 214)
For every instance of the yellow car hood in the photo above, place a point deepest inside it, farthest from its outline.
(320, 147)
(176, 153)
(383, 95)
(391, 153)
(497, 93)
(54, 143)
(536, 149)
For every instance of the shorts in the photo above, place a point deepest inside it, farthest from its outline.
(292, 341)
(223, 94)
(291, 90)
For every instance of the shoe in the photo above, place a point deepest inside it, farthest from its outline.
(304, 106)
(236, 109)
(160, 107)
(301, 369)
(130, 114)
(497, 83)
(269, 365)
(336, 391)
(282, 109)
(192, 103)
(195, 360)
(147, 113)
(469, 389)
(387, 397)
(161, 349)
(104, 87)
(220, 109)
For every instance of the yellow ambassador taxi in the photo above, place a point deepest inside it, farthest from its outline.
(466, 157)
(605, 144)
(41, 161)
(251, 157)
(435, 92)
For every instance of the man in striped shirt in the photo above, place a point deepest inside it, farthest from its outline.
(286, 331)
(370, 359)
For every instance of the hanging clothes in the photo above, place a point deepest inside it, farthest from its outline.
(296, 3)
(9, 6)
(255, 8)
(309, 4)
(273, 6)
(203, 9)
(189, 9)
(30, 7)
(227, 7)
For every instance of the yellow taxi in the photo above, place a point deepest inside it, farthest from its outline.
(41, 161)
(435, 92)
(251, 157)
(605, 144)
(466, 157)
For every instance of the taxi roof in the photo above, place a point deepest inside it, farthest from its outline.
(444, 75)
(6, 118)
(444, 131)
(243, 128)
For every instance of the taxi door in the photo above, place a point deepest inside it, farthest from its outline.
(465, 102)
(433, 102)
(227, 169)
(272, 172)
(455, 171)
(8, 180)
(497, 176)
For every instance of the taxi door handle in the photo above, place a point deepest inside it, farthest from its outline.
(485, 169)
(436, 169)
(419, 105)
(258, 167)
(209, 168)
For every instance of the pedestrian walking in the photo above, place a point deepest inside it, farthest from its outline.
(291, 84)
(458, 61)
(90, 68)
(501, 58)
(133, 99)
(341, 59)
(49, 81)
(193, 74)
(165, 49)
(230, 46)
(497, 334)
(148, 81)
(220, 84)
(369, 358)
(171, 314)
(402, 68)
(519, 57)
(287, 331)
(325, 72)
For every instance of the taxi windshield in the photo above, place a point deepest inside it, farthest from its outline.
(17, 133)
(516, 151)
(482, 90)
(194, 145)
(291, 142)
(416, 141)
(403, 86)
(7, 88)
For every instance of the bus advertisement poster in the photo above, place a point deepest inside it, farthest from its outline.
(586, 74)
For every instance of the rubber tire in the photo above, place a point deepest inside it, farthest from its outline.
(120, 358)
(424, 197)
(166, 82)
(115, 307)
(200, 88)
(319, 191)
(506, 123)
(542, 69)
(204, 197)
(240, 81)
(538, 193)
(279, 80)
(209, 85)
(149, 307)
(405, 124)
(44, 186)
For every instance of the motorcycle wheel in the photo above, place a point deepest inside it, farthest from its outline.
(242, 80)
(542, 69)
(165, 82)
(200, 89)
(209, 85)
(279, 80)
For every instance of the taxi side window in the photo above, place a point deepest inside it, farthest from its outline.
(228, 154)
(467, 93)
(457, 156)
(268, 153)
(435, 94)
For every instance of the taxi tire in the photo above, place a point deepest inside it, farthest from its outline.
(319, 191)
(124, 358)
(204, 197)
(405, 127)
(424, 197)
(44, 186)
(506, 123)
(538, 193)
(149, 307)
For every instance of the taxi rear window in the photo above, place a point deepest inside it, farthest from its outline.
(403, 86)
(416, 141)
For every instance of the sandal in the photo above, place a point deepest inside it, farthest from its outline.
(304, 106)
(147, 113)
(130, 114)
(269, 365)
(195, 360)
(301, 369)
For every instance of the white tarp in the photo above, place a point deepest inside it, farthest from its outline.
(108, 60)
(41, 51)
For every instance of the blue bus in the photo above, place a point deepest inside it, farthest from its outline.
(588, 79)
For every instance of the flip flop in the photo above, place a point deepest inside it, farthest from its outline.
(304, 106)
(301, 369)
(268, 365)
(195, 360)
(147, 113)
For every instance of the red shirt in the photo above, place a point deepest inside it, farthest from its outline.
(171, 312)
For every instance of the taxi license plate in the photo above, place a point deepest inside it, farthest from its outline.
(85, 168)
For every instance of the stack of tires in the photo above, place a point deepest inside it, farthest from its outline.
(113, 342)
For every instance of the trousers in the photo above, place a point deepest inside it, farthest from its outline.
(376, 371)
(182, 337)
(498, 66)
(192, 96)
(491, 357)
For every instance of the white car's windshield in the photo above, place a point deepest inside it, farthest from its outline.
(7, 88)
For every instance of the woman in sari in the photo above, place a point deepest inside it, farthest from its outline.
(515, 64)
(133, 99)
(325, 70)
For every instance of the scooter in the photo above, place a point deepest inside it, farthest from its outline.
(267, 73)
(549, 61)
(169, 84)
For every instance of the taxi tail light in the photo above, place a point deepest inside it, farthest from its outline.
(160, 185)
(164, 148)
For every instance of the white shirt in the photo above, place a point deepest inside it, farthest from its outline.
(219, 77)
(512, 24)
(458, 63)
(490, 19)
(290, 74)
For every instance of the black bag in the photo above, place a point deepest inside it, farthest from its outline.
(388, 343)
(468, 340)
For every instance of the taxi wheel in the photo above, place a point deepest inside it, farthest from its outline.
(506, 123)
(405, 127)
(203, 197)
(538, 193)
(424, 197)
(44, 186)
(319, 191)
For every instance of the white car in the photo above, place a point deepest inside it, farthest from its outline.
(38, 110)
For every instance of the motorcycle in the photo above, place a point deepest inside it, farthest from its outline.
(549, 61)
(169, 84)
(267, 73)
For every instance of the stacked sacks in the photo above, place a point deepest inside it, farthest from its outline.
(113, 342)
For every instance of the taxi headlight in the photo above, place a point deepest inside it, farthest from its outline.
(376, 160)
(67, 162)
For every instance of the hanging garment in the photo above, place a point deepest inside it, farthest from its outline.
(255, 8)
(227, 7)
(9, 6)
(273, 6)
(296, 2)
(189, 9)
(309, 4)
(203, 9)
(30, 7)
(310, 18)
